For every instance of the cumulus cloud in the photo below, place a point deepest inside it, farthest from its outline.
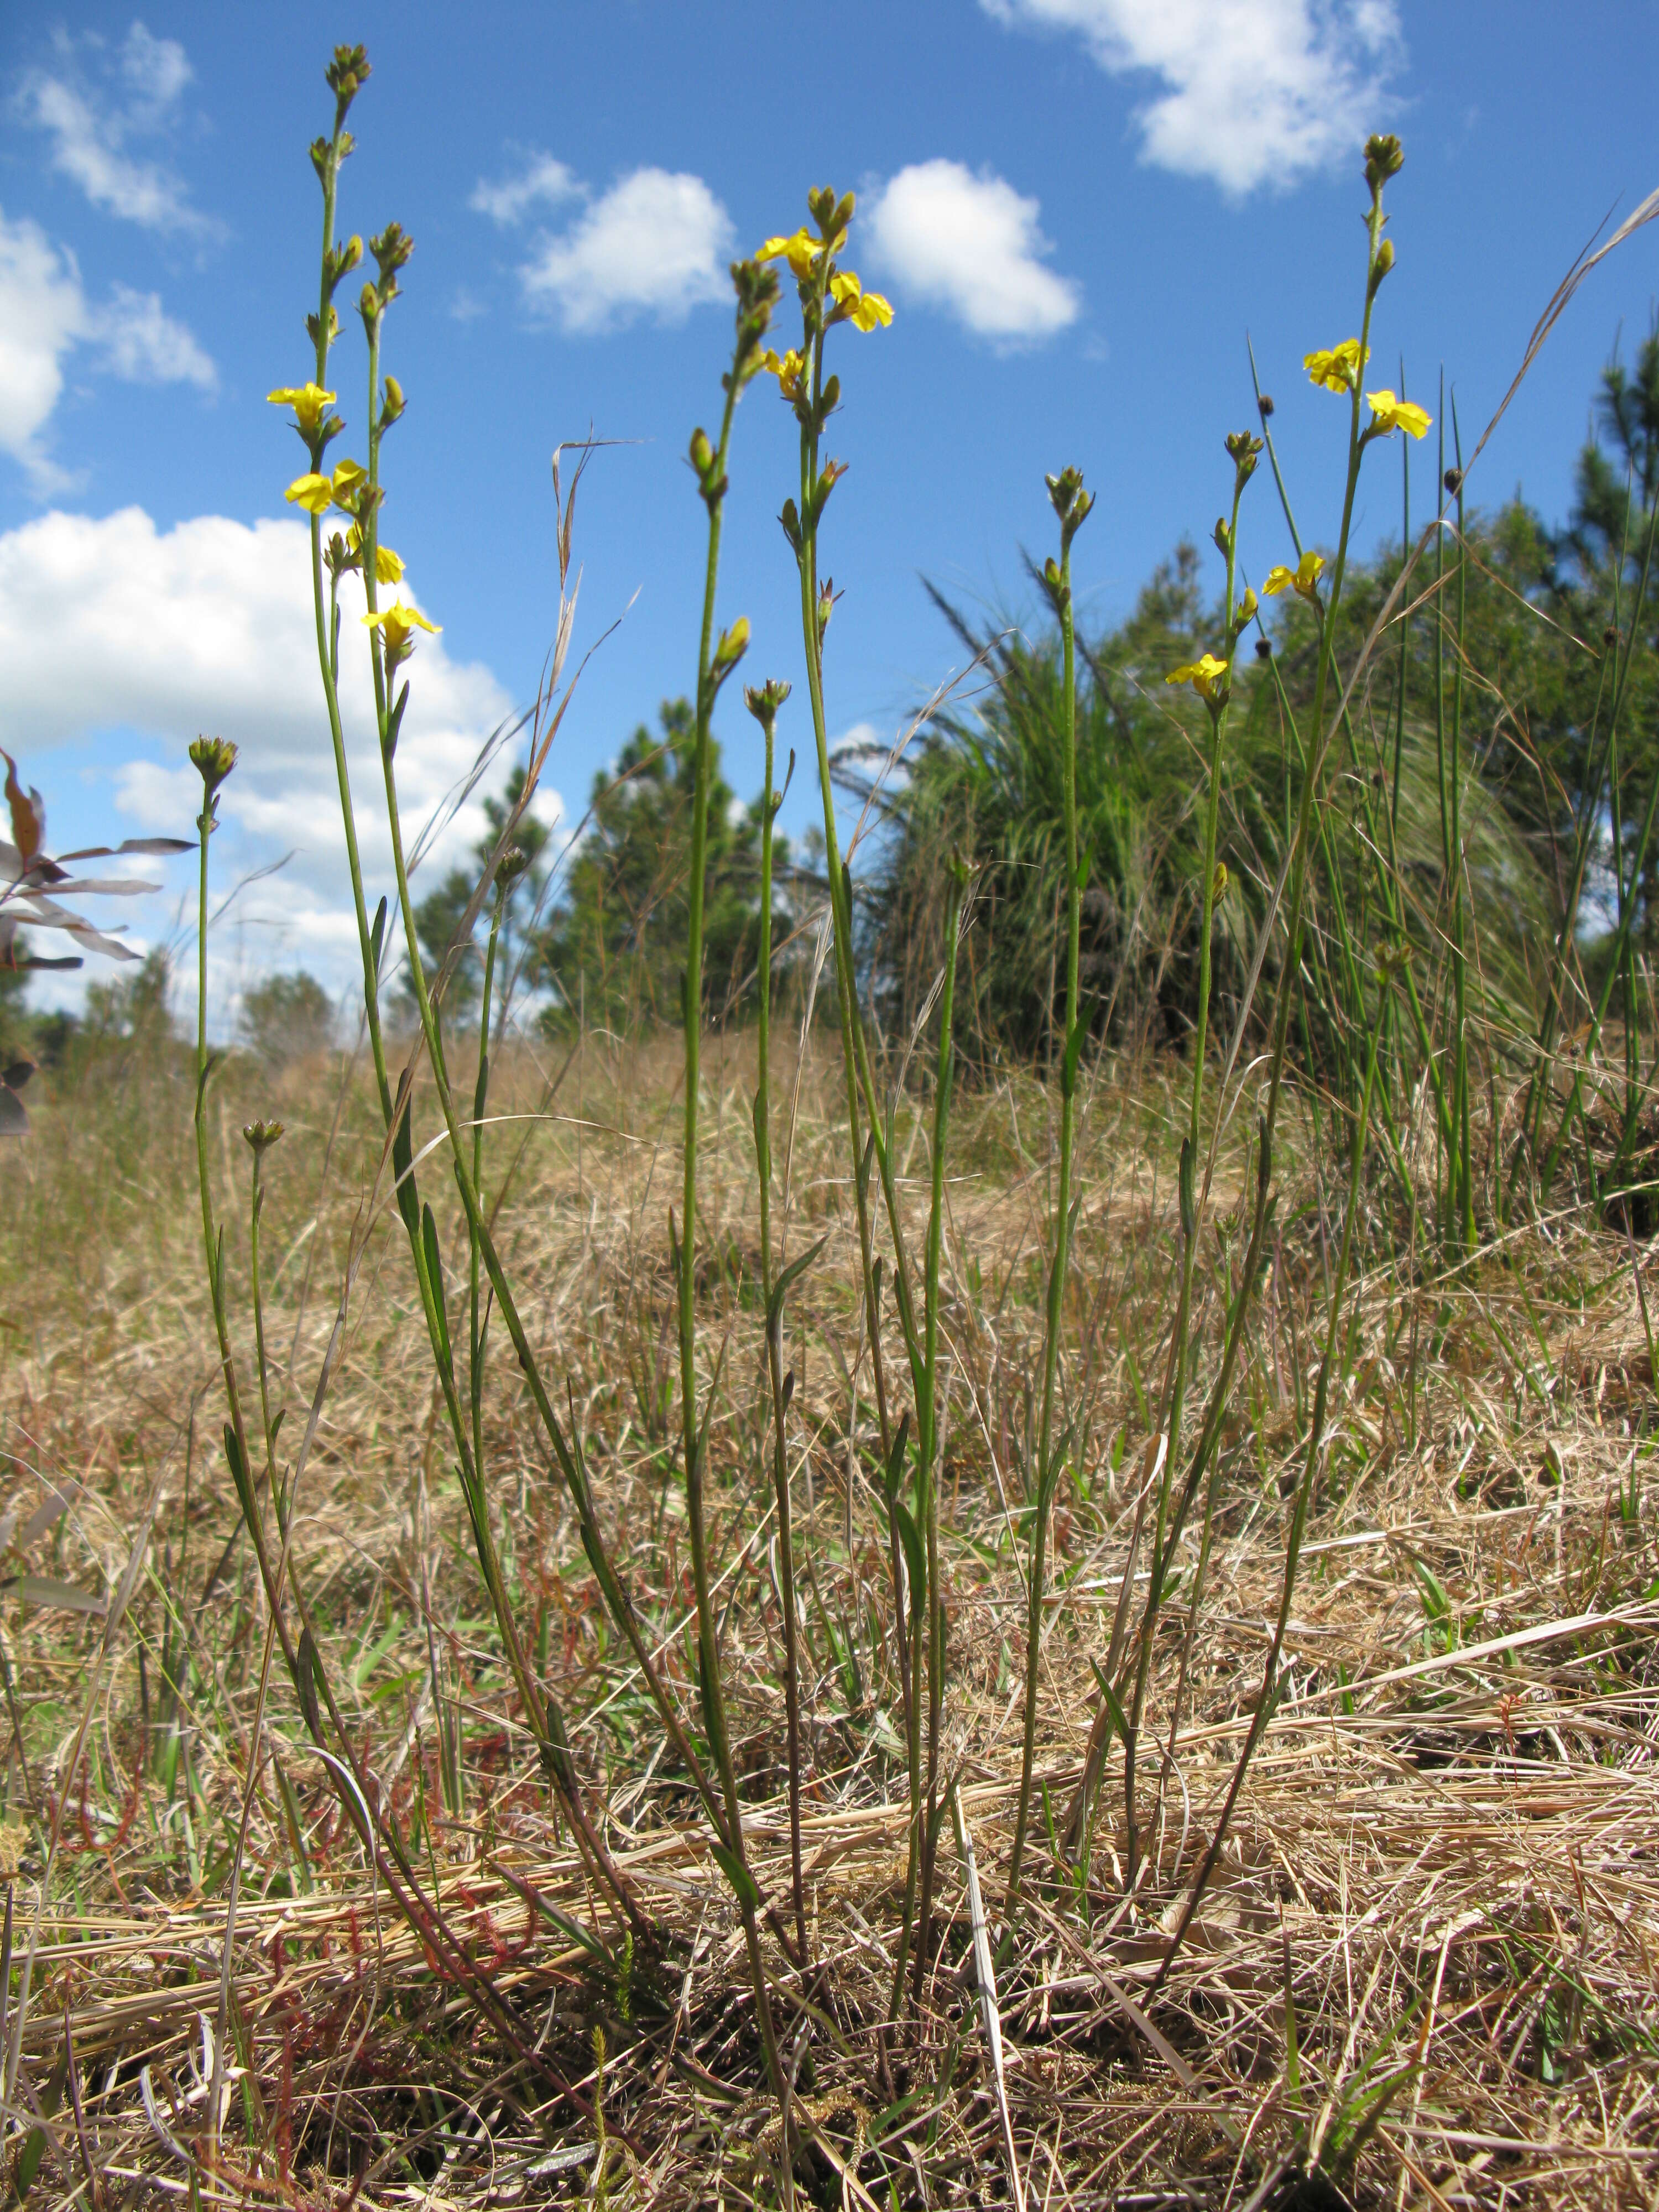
(972, 245)
(113, 625)
(91, 128)
(541, 182)
(654, 245)
(45, 314)
(1253, 92)
(143, 345)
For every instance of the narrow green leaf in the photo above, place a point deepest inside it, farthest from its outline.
(894, 1468)
(434, 1268)
(796, 1268)
(1113, 1711)
(742, 1882)
(916, 1560)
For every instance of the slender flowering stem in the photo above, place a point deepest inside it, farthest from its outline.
(1072, 505)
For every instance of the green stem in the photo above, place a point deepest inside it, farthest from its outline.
(765, 705)
(1041, 1489)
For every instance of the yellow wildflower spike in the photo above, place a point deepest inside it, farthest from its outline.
(308, 402)
(1205, 675)
(1389, 413)
(313, 492)
(1336, 368)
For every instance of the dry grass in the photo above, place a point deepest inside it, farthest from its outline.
(1445, 1874)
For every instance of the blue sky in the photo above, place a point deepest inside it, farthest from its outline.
(1079, 208)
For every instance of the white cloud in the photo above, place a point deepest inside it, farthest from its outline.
(110, 624)
(143, 345)
(972, 245)
(89, 132)
(45, 313)
(654, 244)
(1254, 91)
(541, 182)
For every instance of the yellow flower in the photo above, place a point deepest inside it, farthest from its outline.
(1302, 580)
(1337, 370)
(308, 402)
(388, 568)
(397, 625)
(1389, 413)
(1205, 675)
(317, 494)
(865, 311)
(313, 492)
(789, 371)
(1246, 608)
(800, 251)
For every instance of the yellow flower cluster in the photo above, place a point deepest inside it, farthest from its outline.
(1302, 580)
(388, 568)
(1389, 413)
(865, 311)
(1207, 675)
(800, 250)
(1336, 368)
(788, 368)
(317, 494)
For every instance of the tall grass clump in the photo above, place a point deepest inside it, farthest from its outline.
(1305, 931)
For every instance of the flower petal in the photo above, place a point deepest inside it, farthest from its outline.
(313, 492)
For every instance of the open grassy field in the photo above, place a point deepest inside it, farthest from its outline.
(1422, 1972)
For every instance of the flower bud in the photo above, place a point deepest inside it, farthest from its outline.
(733, 644)
(392, 249)
(510, 867)
(702, 454)
(1454, 480)
(1242, 445)
(346, 72)
(1222, 536)
(1384, 158)
(262, 1135)
(1385, 256)
(393, 404)
(1218, 883)
(213, 757)
(1264, 405)
(764, 700)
